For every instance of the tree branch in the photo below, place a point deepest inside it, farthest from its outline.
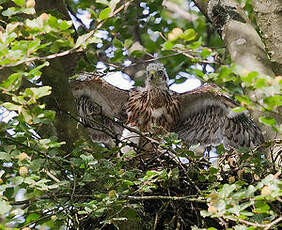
(173, 198)
(264, 226)
(269, 20)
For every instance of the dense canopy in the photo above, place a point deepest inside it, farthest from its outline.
(53, 176)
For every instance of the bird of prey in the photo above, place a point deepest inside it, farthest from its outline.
(203, 115)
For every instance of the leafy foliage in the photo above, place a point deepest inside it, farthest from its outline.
(41, 184)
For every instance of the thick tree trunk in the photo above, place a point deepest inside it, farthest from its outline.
(56, 75)
(269, 20)
(241, 39)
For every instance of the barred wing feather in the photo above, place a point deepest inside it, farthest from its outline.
(98, 102)
(207, 118)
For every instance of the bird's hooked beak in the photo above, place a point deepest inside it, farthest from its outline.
(152, 74)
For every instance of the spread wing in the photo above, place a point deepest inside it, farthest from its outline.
(98, 103)
(207, 118)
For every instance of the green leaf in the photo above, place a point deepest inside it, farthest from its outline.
(94, 39)
(227, 190)
(10, 11)
(128, 182)
(261, 206)
(273, 100)
(238, 109)
(138, 53)
(246, 213)
(32, 217)
(11, 106)
(105, 13)
(37, 164)
(13, 10)
(213, 170)
(64, 25)
(189, 35)
(86, 39)
(41, 91)
(117, 43)
(19, 2)
(250, 77)
(244, 99)
(260, 82)
(17, 180)
(5, 156)
(195, 45)
(151, 173)
(240, 227)
(128, 43)
(205, 53)
(87, 158)
(13, 82)
(37, 68)
(267, 121)
(104, 2)
(180, 80)
(167, 45)
(45, 117)
(5, 207)
(198, 72)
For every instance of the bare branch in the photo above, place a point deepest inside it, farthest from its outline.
(52, 56)
(264, 226)
(173, 198)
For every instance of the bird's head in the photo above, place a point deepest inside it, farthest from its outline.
(156, 76)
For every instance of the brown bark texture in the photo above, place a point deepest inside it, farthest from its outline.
(56, 75)
(242, 41)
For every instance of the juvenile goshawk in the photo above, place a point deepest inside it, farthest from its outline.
(203, 115)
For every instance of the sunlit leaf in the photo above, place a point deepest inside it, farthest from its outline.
(5, 207)
(105, 13)
(195, 45)
(250, 77)
(189, 35)
(205, 53)
(19, 2)
(167, 45)
(13, 11)
(41, 91)
(268, 120)
(11, 106)
(13, 82)
(238, 109)
(104, 2)
(273, 100)
(260, 82)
